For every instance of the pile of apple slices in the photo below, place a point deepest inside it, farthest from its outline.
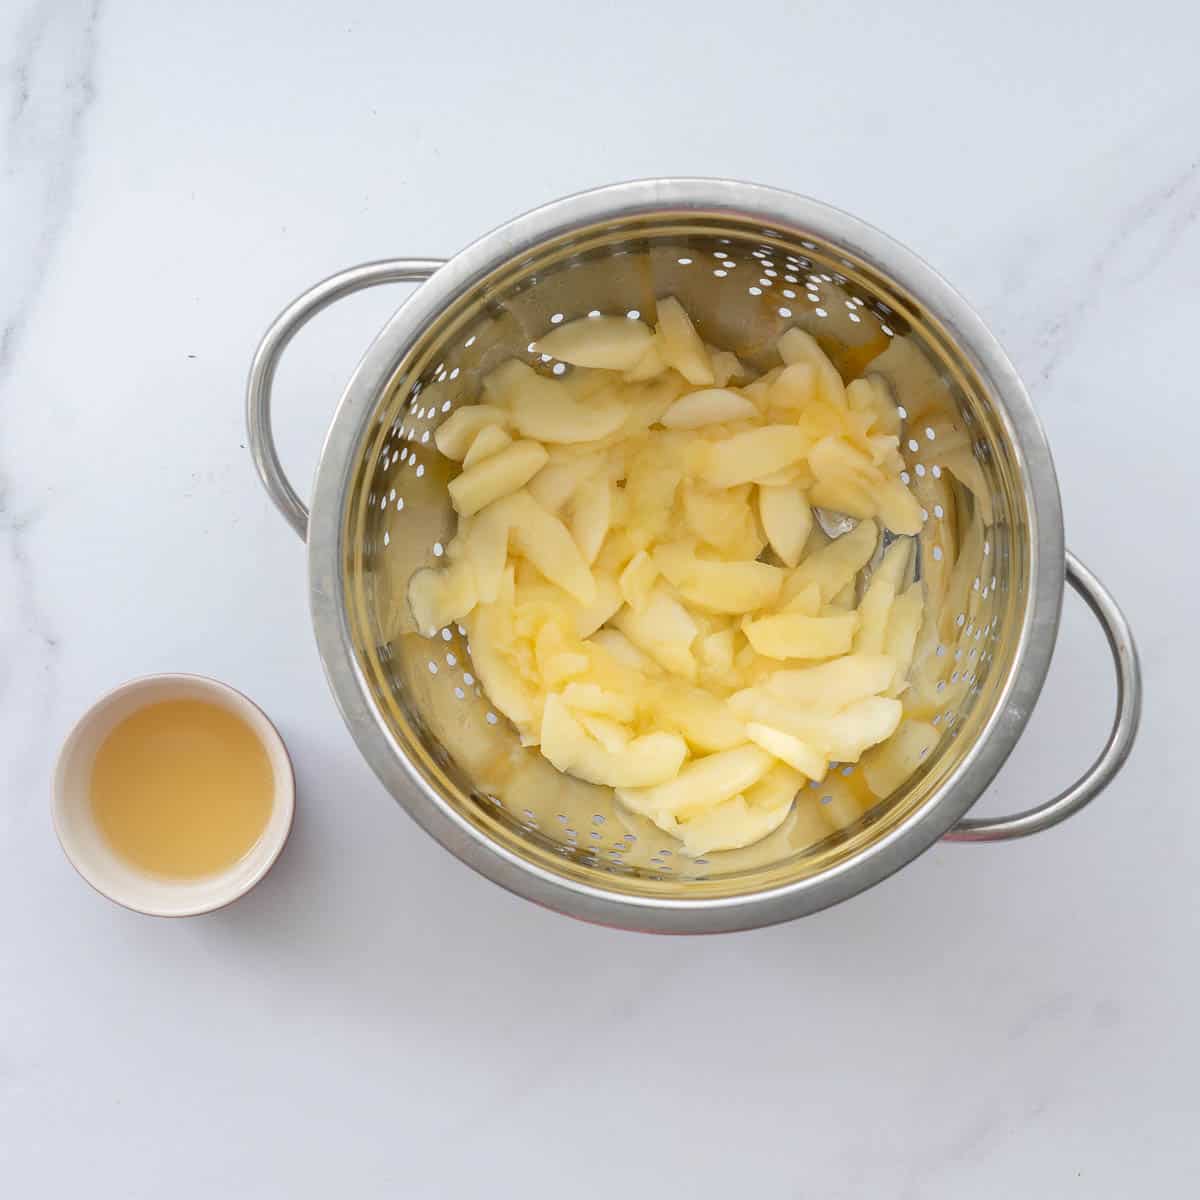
(646, 596)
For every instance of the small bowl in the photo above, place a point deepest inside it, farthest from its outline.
(88, 850)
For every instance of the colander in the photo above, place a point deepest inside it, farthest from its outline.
(747, 262)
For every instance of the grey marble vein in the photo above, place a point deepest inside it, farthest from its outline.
(47, 87)
(1143, 235)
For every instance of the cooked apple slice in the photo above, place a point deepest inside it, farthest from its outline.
(722, 518)
(725, 366)
(591, 517)
(731, 826)
(643, 762)
(637, 580)
(560, 668)
(833, 457)
(797, 475)
(482, 543)
(612, 735)
(539, 599)
(873, 616)
(557, 482)
(966, 469)
(877, 600)
(545, 541)
(650, 365)
(453, 437)
(440, 596)
(730, 587)
(845, 495)
(798, 755)
(796, 346)
(898, 508)
(611, 343)
(646, 404)
(706, 722)
(496, 477)
(650, 494)
(754, 454)
(842, 801)
(872, 397)
(889, 765)
(715, 652)
(794, 635)
(904, 623)
(590, 617)
(786, 520)
(549, 412)
(702, 784)
(861, 725)
(619, 547)
(680, 344)
(833, 566)
(831, 686)
(613, 643)
(792, 390)
(664, 630)
(710, 406)
(778, 786)
(808, 601)
(584, 696)
(489, 630)
(490, 440)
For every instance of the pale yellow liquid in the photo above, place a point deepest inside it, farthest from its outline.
(182, 788)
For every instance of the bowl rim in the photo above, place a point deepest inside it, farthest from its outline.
(774, 209)
(264, 728)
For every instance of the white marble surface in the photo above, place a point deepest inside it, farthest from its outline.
(375, 1020)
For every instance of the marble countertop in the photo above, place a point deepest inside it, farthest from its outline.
(375, 1019)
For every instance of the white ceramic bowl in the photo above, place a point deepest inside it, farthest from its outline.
(90, 853)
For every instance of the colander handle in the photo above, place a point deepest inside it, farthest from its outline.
(271, 348)
(1120, 739)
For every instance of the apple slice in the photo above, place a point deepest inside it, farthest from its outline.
(796, 346)
(749, 456)
(706, 722)
(550, 413)
(702, 784)
(611, 343)
(889, 765)
(794, 635)
(545, 541)
(835, 565)
(643, 762)
(872, 396)
(680, 344)
(637, 580)
(899, 642)
(786, 520)
(730, 587)
(440, 596)
(664, 630)
(453, 437)
(491, 439)
(650, 365)
(583, 696)
(710, 406)
(591, 517)
(798, 755)
(831, 686)
(731, 826)
(496, 477)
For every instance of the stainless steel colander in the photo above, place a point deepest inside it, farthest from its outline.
(747, 262)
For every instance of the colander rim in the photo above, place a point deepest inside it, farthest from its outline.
(772, 208)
